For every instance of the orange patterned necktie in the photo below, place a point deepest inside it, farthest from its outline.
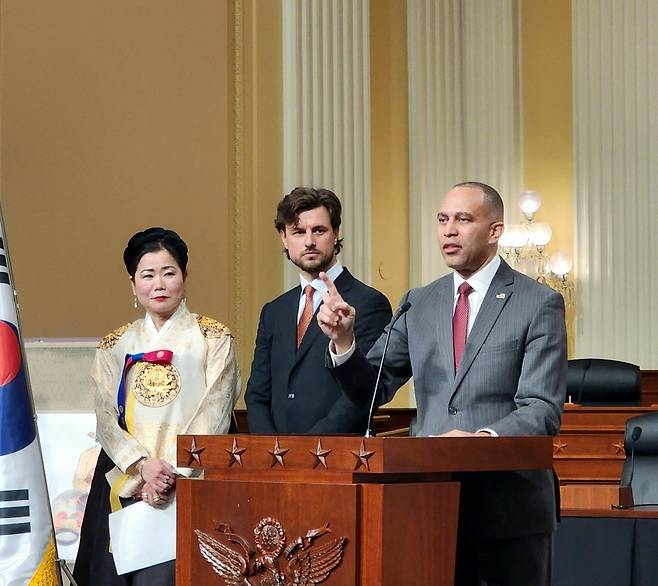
(307, 314)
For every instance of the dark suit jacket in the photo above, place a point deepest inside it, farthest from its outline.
(512, 379)
(290, 390)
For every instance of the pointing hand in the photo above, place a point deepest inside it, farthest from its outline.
(336, 317)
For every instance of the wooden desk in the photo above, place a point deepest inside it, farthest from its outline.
(649, 386)
(588, 454)
(390, 504)
(635, 513)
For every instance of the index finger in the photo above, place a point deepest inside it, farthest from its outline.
(331, 288)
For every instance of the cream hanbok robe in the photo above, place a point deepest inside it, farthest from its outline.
(193, 395)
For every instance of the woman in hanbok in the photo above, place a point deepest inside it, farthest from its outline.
(172, 372)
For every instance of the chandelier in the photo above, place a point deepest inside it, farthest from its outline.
(523, 246)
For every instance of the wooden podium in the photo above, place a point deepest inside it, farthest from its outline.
(343, 510)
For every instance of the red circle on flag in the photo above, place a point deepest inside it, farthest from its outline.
(10, 354)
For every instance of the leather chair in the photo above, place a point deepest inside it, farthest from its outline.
(596, 381)
(642, 458)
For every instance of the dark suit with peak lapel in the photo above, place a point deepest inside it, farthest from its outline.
(512, 380)
(290, 390)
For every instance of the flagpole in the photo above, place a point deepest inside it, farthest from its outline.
(64, 568)
(5, 246)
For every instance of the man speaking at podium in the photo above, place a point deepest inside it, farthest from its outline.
(486, 347)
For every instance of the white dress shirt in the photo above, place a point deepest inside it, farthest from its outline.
(479, 282)
(319, 286)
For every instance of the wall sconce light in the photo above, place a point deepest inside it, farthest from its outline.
(523, 246)
(530, 202)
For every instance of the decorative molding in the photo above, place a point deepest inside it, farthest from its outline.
(239, 237)
(195, 452)
(326, 114)
(463, 110)
(278, 454)
(616, 179)
(256, 145)
(362, 456)
(236, 453)
(274, 560)
(320, 455)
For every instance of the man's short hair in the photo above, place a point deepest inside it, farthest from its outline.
(303, 199)
(491, 197)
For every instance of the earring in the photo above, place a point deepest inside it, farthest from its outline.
(135, 301)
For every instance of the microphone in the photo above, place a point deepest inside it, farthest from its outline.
(398, 314)
(626, 500)
(582, 380)
(635, 435)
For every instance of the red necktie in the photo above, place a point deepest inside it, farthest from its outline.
(460, 323)
(307, 314)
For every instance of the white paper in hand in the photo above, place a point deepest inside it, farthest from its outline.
(142, 536)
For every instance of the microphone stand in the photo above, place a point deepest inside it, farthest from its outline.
(635, 435)
(369, 432)
(400, 312)
(626, 500)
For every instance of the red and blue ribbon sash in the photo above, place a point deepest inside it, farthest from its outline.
(155, 356)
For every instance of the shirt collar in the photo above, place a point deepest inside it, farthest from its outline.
(317, 284)
(481, 280)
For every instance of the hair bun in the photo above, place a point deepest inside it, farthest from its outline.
(152, 240)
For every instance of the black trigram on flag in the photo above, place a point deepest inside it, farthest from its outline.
(14, 512)
(4, 273)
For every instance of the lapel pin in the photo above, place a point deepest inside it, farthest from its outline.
(500, 296)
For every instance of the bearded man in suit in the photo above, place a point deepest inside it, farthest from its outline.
(289, 389)
(486, 347)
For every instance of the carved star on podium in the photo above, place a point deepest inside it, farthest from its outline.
(236, 453)
(195, 452)
(277, 454)
(362, 456)
(619, 447)
(320, 455)
(559, 446)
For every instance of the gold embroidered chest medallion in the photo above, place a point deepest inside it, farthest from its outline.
(156, 385)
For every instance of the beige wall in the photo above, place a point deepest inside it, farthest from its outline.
(547, 110)
(117, 116)
(114, 117)
(389, 147)
(390, 154)
(547, 132)
(547, 114)
(257, 177)
(547, 138)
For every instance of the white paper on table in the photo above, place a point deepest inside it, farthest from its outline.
(142, 536)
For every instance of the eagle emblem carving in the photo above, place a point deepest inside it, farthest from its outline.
(301, 563)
